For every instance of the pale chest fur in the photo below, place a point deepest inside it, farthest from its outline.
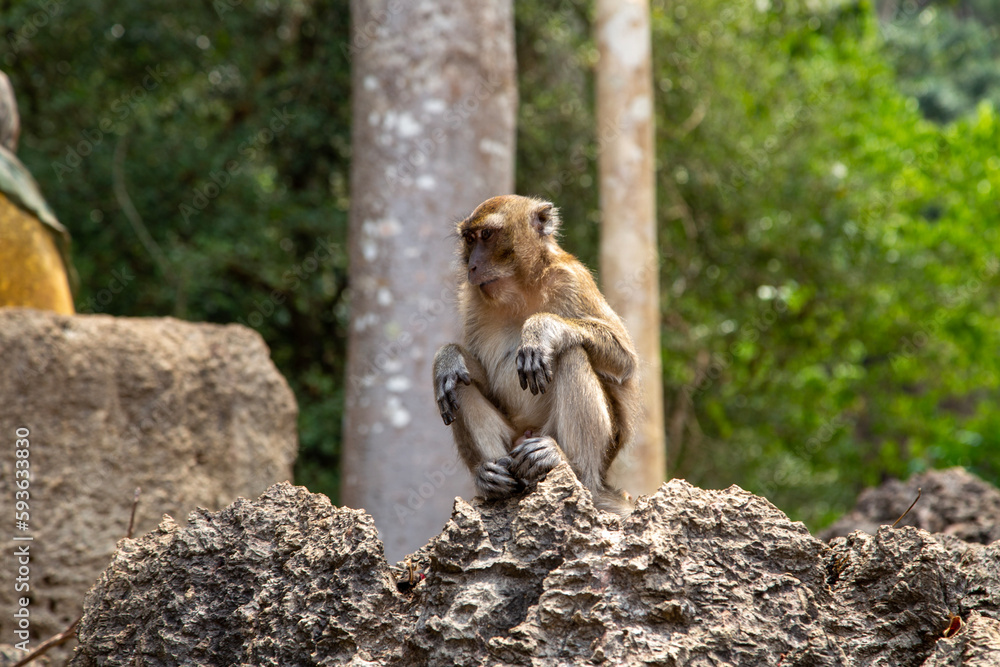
(498, 355)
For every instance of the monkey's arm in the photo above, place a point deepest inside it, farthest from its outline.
(454, 364)
(545, 336)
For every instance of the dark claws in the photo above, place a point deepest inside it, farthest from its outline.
(494, 479)
(447, 394)
(534, 458)
(533, 370)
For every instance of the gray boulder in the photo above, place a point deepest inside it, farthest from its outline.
(952, 501)
(195, 414)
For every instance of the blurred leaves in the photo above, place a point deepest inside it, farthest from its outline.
(828, 320)
(946, 54)
(828, 252)
(234, 123)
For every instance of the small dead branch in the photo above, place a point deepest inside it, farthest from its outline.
(919, 491)
(57, 640)
(131, 519)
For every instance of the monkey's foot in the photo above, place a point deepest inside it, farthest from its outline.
(527, 434)
(495, 480)
(534, 458)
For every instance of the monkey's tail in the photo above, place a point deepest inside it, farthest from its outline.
(616, 501)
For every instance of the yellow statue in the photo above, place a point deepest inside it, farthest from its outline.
(35, 267)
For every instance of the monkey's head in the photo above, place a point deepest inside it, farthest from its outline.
(506, 244)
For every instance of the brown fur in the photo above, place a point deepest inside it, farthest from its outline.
(576, 395)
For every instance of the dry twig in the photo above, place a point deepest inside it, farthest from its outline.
(919, 491)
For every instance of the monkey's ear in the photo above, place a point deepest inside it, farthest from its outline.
(545, 219)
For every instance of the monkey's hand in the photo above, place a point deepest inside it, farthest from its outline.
(534, 362)
(534, 458)
(495, 480)
(449, 370)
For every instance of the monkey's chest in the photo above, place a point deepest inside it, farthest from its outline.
(524, 409)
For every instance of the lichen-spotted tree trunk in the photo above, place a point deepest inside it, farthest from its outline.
(629, 259)
(434, 108)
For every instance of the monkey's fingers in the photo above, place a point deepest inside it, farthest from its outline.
(522, 374)
(543, 376)
(531, 369)
(541, 372)
(447, 410)
(494, 480)
(532, 375)
(534, 458)
(447, 397)
(446, 413)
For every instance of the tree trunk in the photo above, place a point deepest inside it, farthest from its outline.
(434, 110)
(629, 259)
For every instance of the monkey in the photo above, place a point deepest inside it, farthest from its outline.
(546, 371)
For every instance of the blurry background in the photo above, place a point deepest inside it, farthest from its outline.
(828, 182)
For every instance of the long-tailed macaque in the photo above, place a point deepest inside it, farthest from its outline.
(547, 371)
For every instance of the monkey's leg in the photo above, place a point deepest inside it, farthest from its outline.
(482, 435)
(580, 422)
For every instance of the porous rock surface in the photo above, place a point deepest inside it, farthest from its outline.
(194, 414)
(952, 501)
(693, 577)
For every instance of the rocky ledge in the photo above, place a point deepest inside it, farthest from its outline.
(693, 577)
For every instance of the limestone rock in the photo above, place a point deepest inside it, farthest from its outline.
(195, 414)
(977, 645)
(693, 577)
(953, 501)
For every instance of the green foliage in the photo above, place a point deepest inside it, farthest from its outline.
(946, 55)
(227, 125)
(556, 142)
(827, 254)
(826, 265)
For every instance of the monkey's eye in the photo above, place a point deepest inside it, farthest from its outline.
(486, 234)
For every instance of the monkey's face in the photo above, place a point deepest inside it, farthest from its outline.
(503, 241)
(487, 250)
